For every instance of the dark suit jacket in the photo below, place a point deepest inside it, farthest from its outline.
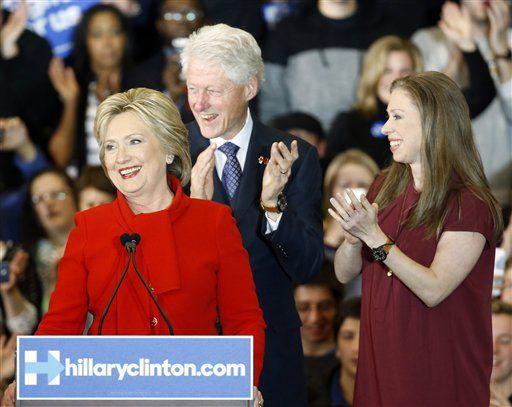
(294, 252)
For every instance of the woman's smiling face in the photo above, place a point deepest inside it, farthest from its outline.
(134, 158)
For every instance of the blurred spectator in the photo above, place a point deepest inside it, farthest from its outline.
(317, 303)
(390, 58)
(502, 262)
(489, 22)
(19, 297)
(355, 170)
(335, 387)
(20, 315)
(506, 288)
(7, 361)
(53, 202)
(24, 89)
(94, 188)
(312, 60)
(101, 55)
(141, 15)
(29, 160)
(303, 126)
(246, 15)
(501, 377)
(175, 22)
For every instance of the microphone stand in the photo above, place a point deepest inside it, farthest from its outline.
(130, 243)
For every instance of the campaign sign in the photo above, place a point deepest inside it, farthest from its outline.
(134, 367)
(54, 20)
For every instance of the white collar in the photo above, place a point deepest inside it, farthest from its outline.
(242, 138)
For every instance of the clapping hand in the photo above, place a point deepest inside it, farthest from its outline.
(258, 398)
(357, 218)
(457, 26)
(201, 179)
(498, 13)
(107, 84)
(278, 171)
(11, 31)
(63, 80)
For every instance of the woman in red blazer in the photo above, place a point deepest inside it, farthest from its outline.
(190, 251)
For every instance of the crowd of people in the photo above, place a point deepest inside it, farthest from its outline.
(315, 193)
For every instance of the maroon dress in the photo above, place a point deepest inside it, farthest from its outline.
(411, 355)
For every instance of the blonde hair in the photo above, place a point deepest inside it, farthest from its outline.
(160, 114)
(351, 156)
(374, 64)
(234, 49)
(449, 157)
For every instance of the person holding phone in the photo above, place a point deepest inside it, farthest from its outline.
(424, 240)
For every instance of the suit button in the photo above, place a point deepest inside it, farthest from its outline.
(154, 321)
(151, 288)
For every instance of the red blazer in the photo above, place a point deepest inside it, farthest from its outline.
(192, 256)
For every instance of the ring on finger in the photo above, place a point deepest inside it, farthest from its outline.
(282, 172)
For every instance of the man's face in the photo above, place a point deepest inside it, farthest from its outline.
(179, 19)
(502, 344)
(317, 310)
(219, 105)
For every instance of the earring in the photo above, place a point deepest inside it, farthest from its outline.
(169, 158)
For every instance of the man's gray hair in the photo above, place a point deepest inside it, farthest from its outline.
(234, 49)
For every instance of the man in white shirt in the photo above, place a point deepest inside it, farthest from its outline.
(272, 183)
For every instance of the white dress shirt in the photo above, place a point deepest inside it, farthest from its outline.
(242, 141)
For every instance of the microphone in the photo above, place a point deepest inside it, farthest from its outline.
(130, 243)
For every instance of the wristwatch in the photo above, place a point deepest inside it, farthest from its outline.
(381, 253)
(281, 205)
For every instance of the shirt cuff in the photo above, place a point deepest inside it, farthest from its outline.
(37, 164)
(272, 225)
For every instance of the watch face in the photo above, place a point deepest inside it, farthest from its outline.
(379, 254)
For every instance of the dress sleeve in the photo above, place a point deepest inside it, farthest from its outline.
(239, 310)
(68, 304)
(468, 213)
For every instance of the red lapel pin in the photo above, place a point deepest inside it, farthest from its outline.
(262, 160)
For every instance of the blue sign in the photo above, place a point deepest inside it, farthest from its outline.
(54, 20)
(376, 129)
(135, 367)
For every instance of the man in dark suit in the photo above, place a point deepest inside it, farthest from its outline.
(272, 183)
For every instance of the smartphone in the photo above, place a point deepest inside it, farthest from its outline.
(4, 266)
(4, 272)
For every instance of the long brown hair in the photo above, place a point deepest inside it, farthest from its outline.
(449, 157)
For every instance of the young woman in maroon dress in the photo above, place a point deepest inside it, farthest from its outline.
(425, 247)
